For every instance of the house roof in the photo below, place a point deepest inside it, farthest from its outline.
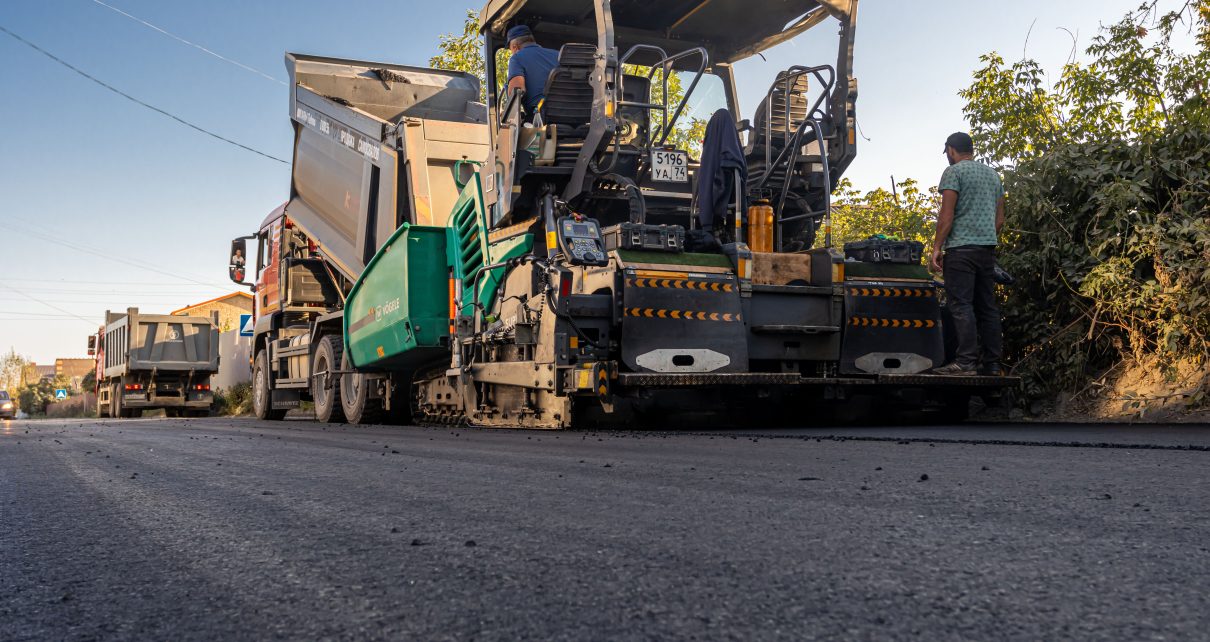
(216, 299)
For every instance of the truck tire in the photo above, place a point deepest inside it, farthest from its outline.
(355, 398)
(262, 404)
(118, 410)
(325, 389)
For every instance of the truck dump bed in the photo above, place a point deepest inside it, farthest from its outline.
(165, 343)
(376, 146)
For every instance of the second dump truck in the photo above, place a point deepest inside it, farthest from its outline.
(442, 260)
(153, 361)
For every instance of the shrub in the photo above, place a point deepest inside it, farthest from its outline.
(1108, 180)
(235, 400)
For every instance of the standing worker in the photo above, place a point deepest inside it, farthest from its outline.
(968, 230)
(529, 67)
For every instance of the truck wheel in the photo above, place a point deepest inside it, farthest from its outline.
(355, 398)
(118, 410)
(261, 397)
(115, 406)
(325, 388)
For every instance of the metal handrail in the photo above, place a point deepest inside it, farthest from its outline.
(827, 188)
(787, 80)
(665, 64)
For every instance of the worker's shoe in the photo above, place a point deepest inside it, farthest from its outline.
(955, 369)
(991, 370)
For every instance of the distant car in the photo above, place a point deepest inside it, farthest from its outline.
(8, 410)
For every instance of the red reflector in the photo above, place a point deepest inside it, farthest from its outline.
(134, 386)
(201, 386)
(565, 284)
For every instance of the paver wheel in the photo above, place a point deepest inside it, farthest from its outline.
(325, 387)
(261, 395)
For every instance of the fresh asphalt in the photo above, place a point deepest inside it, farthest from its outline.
(238, 529)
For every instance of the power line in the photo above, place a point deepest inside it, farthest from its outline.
(17, 227)
(136, 100)
(47, 304)
(192, 44)
(79, 282)
(43, 319)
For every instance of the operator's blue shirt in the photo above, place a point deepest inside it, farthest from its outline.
(534, 63)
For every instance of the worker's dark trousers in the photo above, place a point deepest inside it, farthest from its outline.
(970, 290)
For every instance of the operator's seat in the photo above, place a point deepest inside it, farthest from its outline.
(770, 126)
(568, 100)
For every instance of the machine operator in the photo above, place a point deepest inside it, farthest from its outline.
(529, 67)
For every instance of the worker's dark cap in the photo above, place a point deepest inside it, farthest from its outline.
(961, 142)
(519, 31)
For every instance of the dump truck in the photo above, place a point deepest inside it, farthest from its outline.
(376, 146)
(150, 361)
(573, 280)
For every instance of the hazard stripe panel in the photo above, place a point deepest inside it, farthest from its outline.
(892, 292)
(870, 322)
(682, 284)
(686, 315)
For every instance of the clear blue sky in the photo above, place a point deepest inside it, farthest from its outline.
(86, 167)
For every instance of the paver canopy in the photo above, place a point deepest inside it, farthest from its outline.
(729, 30)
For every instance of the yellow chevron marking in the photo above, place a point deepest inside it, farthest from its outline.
(689, 315)
(688, 284)
(887, 323)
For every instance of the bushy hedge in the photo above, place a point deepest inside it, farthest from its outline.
(1108, 218)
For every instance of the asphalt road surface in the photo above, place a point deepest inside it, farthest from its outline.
(237, 529)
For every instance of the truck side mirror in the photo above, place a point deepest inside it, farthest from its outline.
(92, 345)
(236, 266)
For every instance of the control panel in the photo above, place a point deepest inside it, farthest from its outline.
(580, 241)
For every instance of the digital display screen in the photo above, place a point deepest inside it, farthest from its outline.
(582, 230)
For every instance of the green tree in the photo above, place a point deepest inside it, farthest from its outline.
(88, 382)
(33, 398)
(1107, 172)
(464, 52)
(908, 213)
(12, 365)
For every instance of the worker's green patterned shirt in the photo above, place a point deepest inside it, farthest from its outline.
(979, 190)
